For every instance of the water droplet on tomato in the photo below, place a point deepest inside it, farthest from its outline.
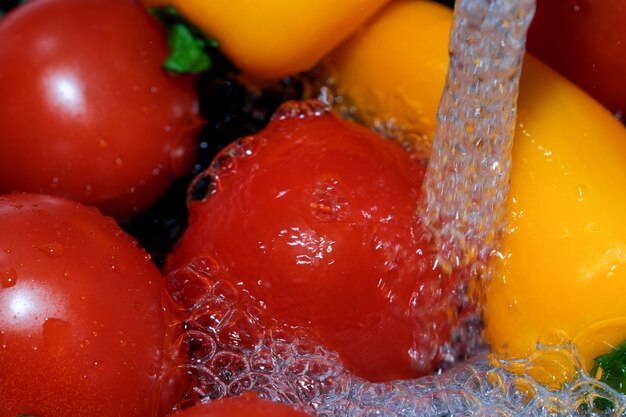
(140, 307)
(301, 109)
(117, 265)
(118, 163)
(52, 250)
(8, 278)
(327, 204)
(249, 145)
(188, 286)
(224, 164)
(577, 10)
(99, 366)
(195, 346)
(57, 335)
(102, 144)
(203, 187)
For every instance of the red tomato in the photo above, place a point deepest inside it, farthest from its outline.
(87, 112)
(585, 40)
(317, 218)
(245, 406)
(81, 321)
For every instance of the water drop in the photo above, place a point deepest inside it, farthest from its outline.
(581, 191)
(8, 278)
(301, 109)
(327, 203)
(57, 334)
(117, 265)
(203, 187)
(52, 250)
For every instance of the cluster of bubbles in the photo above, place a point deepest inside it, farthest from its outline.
(225, 346)
(467, 180)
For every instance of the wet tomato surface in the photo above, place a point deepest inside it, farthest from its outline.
(585, 40)
(317, 218)
(81, 321)
(246, 406)
(87, 111)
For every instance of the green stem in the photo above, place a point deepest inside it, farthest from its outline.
(188, 45)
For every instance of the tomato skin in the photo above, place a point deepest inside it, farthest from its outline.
(244, 406)
(81, 322)
(317, 218)
(585, 40)
(87, 111)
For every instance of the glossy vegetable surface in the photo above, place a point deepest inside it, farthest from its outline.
(563, 266)
(246, 406)
(317, 218)
(81, 321)
(87, 111)
(388, 76)
(585, 40)
(274, 38)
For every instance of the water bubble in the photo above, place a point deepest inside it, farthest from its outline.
(327, 202)
(581, 191)
(8, 278)
(117, 265)
(57, 335)
(237, 352)
(301, 109)
(249, 145)
(52, 250)
(203, 187)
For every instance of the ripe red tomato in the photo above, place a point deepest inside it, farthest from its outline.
(245, 406)
(87, 111)
(317, 218)
(81, 322)
(585, 40)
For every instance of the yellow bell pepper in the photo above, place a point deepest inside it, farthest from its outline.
(269, 39)
(392, 71)
(563, 265)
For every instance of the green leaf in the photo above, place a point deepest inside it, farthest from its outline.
(611, 368)
(188, 45)
(187, 54)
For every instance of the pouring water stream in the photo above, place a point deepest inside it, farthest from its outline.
(463, 206)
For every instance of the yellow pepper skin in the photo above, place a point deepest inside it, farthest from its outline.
(564, 256)
(268, 39)
(563, 260)
(391, 75)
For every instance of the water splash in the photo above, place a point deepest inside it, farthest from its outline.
(468, 172)
(225, 346)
